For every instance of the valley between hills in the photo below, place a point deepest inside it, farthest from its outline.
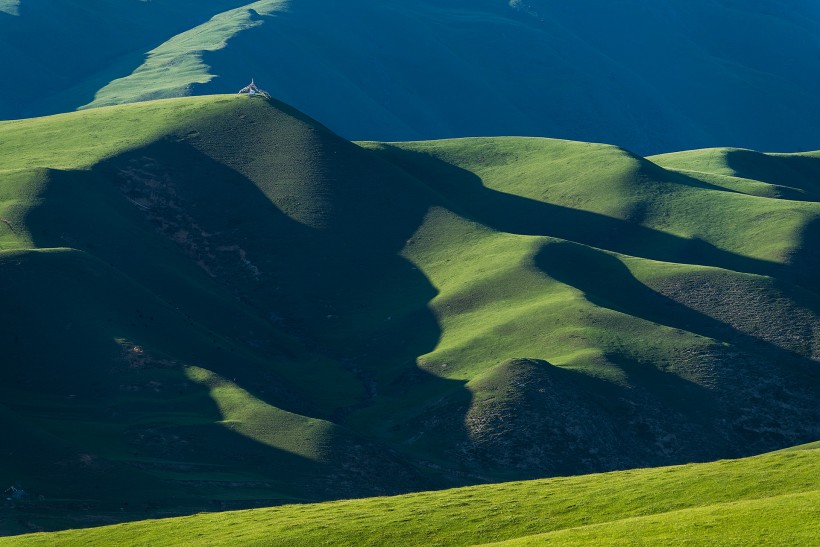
(216, 303)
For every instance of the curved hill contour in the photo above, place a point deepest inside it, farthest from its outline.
(653, 77)
(770, 498)
(216, 302)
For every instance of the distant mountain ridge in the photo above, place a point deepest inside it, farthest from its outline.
(653, 77)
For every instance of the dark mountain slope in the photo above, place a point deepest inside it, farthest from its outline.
(653, 77)
(217, 302)
(56, 53)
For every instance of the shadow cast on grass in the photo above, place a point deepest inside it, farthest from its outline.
(518, 215)
(270, 293)
(801, 172)
(749, 366)
(292, 298)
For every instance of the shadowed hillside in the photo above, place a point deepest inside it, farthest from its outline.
(55, 53)
(653, 77)
(216, 302)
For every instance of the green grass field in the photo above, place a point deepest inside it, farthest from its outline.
(216, 303)
(770, 499)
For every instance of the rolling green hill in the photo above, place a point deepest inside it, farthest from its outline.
(653, 77)
(770, 499)
(216, 302)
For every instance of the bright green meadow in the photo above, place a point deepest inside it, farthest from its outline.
(770, 500)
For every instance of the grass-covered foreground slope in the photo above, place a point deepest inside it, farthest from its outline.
(216, 303)
(665, 76)
(770, 499)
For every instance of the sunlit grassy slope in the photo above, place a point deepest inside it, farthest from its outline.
(771, 499)
(214, 303)
(652, 77)
(9, 7)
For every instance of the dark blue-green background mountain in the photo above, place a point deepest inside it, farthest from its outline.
(650, 76)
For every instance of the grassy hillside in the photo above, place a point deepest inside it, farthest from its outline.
(790, 176)
(215, 303)
(10, 7)
(653, 78)
(766, 499)
(154, 368)
(786, 522)
(55, 54)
